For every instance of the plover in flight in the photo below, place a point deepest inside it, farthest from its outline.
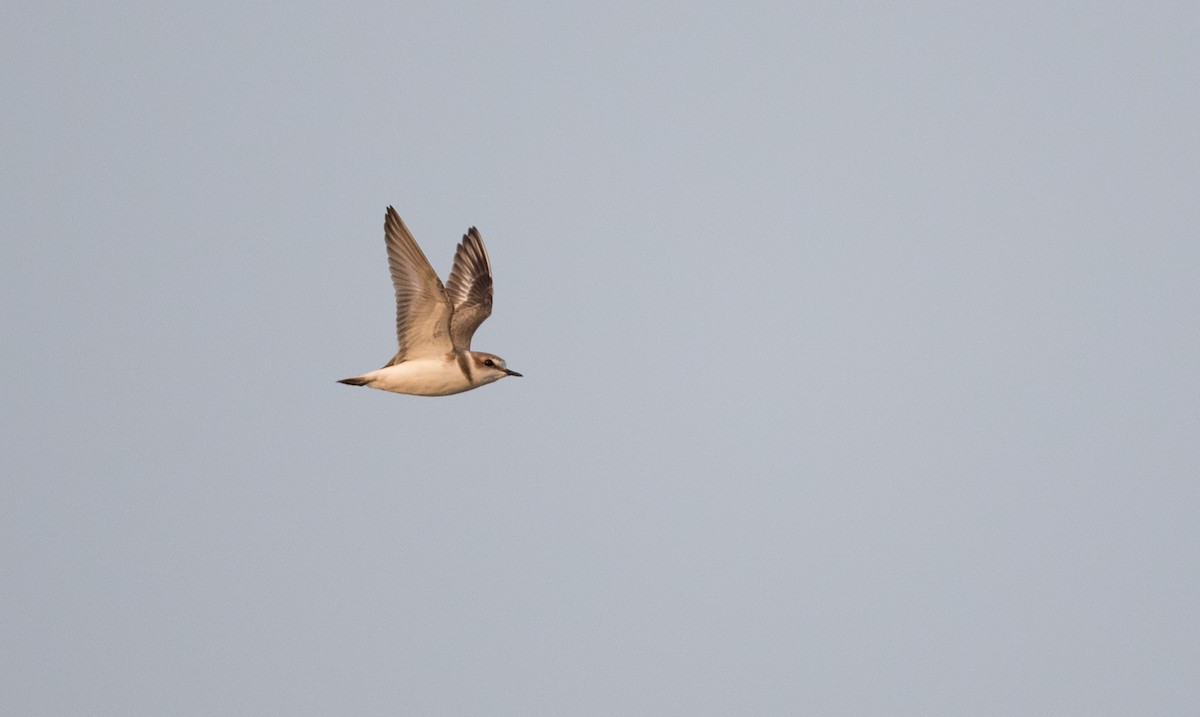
(435, 323)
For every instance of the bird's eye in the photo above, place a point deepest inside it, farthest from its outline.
(489, 362)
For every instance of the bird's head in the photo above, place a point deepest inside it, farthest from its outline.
(489, 367)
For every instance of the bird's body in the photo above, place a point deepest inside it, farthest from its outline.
(432, 376)
(435, 323)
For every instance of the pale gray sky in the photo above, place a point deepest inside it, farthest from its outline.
(861, 346)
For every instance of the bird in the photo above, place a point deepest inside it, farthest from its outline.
(435, 321)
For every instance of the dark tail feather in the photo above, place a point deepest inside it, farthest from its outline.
(356, 381)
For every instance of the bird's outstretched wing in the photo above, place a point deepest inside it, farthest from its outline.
(469, 289)
(422, 309)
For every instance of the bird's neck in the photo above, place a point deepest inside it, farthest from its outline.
(466, 364)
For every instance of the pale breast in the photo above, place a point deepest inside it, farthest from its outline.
(421, 377)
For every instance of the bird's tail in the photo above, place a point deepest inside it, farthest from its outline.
(356, 381)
